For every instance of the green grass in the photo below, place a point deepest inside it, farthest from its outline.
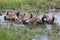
(14, 34)
(25, 33)
(29, 5)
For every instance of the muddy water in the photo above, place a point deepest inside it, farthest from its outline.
(49, 27)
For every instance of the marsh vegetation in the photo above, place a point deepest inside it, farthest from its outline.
(12, 31)
(30, 5)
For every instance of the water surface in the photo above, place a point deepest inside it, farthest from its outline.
(41, 33)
